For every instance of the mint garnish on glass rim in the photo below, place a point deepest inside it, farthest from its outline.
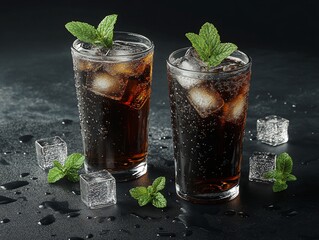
(100, 36)
(208, 46)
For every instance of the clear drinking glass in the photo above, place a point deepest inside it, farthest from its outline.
(208, 114)
(113, 89)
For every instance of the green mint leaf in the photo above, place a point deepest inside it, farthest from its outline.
(74, 161)
(290, 177)
(83, 31)
(284, 163)
(270, 174)
(208, 46)
(55, 174)
(73, 175)
(58, 165)
(210, 34)
(200, 45)
(279, 186)
(159, 201)
(137, 192)
(144, 199)
(145, 195)
(159, 184)
(106, 28)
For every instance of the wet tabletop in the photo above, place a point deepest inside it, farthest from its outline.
(37, 100)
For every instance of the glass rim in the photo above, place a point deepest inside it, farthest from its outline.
(149, 48)
(170, 59)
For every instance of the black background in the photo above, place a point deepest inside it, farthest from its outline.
(37, 92)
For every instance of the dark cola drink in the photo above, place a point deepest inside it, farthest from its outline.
(208, 112)
(113, 89)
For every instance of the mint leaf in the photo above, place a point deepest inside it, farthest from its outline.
(106, 28)
(83, 31)
(159, 184)
(208, 46)
(210, 34)
(73, 175)
(279, 186)
(72, 165)
(144, 195)
(284, 163)
(282, 173)
(144, 199)
(159, 200)
(200, 45)
(290, 177)
(74, 161)
(58, 165)
(137, 192)
(55, 174)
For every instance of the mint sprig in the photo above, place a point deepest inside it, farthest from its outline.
(145, 195)
(282, 173)
(101, 36)
(208, 46)
(73, 164)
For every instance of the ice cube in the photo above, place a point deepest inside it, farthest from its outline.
(187, 82)
(85, 65)
(98, 189)
(123, 50)
(234, 110)
(50, 149)
(272, 130)
(259, 164)
(142, 93)
(205, 100)
(106, 85)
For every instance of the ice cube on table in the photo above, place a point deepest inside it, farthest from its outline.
(205, 100)
(234, 110)
(272, 130)
(50, 149)
(98, 189)
(259, 164)
(108, 86)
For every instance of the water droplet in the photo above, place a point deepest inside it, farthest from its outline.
(61, 207)
(17, 192)
(160, 228)
(34, 178)
(66, 121)
(5, 220)
(90, 235)
(293, 105)
(75, 238)
(125, 231)
(25, 138)
(47, 193)
(19, 213)
(289, 213)
(76, 192)
(166, 234)
(243, 214)
(89, 217)
(14, 185)
(111, 218)
(47, 220)
(24, 174)
(73, 215)
(137, 226)
(230, 212)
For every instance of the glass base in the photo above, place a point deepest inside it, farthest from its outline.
(210, 197)
(122, 176)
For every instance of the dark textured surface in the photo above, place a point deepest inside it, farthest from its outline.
(37, 92)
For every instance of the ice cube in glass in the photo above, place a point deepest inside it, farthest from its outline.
(98, 189)
(259, 164)
(272, 130)
(50, 149)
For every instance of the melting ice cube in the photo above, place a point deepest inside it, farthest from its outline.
(234, 109)
(98, 189)
(272, 130)
(205, 100)
(259, 164)
(50, 149)
(109, 86)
